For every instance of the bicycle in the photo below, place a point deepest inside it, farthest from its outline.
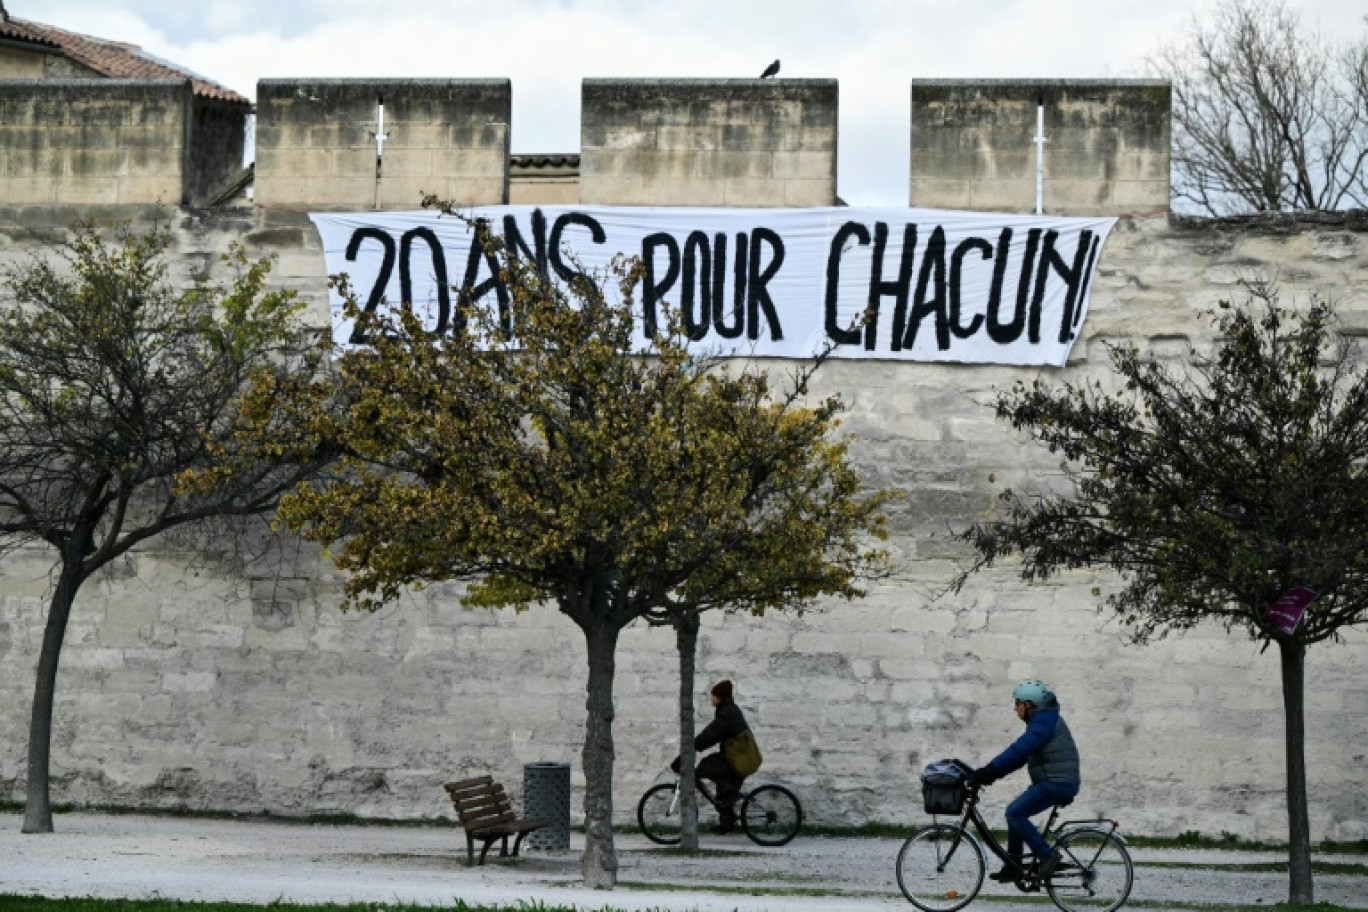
(770, 814)
(941, 867)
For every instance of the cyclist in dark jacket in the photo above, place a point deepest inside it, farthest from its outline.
(727, 723)
(1048, 752)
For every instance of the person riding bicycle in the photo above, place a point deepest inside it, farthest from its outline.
(1047, 749)
(727, 723)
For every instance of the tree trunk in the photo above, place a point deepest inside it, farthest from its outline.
(686, 638)
(599, 864)
(38, 803)
(1298, 820)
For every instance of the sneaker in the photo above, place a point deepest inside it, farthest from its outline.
(1050, 864)
(724, 827)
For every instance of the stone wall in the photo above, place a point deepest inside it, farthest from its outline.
(186, 685)
(93, 141)
(316, 142)
(704, 142)
(20, 64)
(1106, 149)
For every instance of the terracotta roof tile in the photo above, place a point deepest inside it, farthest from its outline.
(115, 59)
(545, 160)
(19, 31)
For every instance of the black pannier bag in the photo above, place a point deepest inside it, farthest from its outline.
(943, 787)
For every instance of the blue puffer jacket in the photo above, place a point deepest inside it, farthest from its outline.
(1047, 748)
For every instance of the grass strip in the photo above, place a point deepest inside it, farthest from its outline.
(15, 903)
(1013, 898)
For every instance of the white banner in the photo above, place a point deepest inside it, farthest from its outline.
(941, 285)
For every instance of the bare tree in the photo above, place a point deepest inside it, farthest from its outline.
(1268, 116)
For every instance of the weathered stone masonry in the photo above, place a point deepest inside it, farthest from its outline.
(183, 685)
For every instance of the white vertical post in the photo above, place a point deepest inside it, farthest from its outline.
(1039, 141)
(380, 137)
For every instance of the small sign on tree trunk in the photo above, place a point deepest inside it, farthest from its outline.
(1287, 611)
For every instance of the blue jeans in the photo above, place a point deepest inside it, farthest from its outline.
(1040, 797)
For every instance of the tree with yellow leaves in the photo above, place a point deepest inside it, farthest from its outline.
(537, 456)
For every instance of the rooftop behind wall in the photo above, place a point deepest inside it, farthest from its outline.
(316, 142)
(94, 141)
(1106, 149)
(708, 142)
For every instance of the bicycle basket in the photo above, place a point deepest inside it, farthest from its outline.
(943, 787)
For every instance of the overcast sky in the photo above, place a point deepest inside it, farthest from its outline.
(545, 47)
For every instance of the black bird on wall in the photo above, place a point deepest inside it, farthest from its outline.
(771, 70)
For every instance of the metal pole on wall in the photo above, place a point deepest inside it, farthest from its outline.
(1039, 140)
(380, 137)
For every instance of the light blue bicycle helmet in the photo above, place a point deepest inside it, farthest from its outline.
(1032, 692)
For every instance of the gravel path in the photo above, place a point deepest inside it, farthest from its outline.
(251, 861)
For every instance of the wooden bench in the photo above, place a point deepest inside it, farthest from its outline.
(486, 814)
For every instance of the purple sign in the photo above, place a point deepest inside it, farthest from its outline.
(1287, 612)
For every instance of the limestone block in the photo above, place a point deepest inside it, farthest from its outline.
(804, 166)
(1008, 195)
(810, 192)
(938, 193)
(756, 192)
(94, 658)
(438, 130)
(472, 191)
(330, 192)
(745, 117)
(30, 191)
(192, 682)
(807, 139)
(1073, 165)
(823, 643)
(469, 165)
(122, 679)
(131, 191)
(798, 715)
(764, 640)
(1078, 197)
(359, 162)
(654, 165)
(634, 191)
(127, 625)
(1339, 246)
(736, 165)
(406, 192)
(1140, 197)
(663, 137)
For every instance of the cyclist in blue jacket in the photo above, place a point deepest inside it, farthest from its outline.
(1047, 750)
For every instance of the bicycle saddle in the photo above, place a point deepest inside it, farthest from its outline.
(1065, 803)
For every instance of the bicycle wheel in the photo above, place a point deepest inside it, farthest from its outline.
(1095, 873)
(771, 815)
(940, 868)
(658, 814)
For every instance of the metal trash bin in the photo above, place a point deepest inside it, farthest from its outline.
(546, 793)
